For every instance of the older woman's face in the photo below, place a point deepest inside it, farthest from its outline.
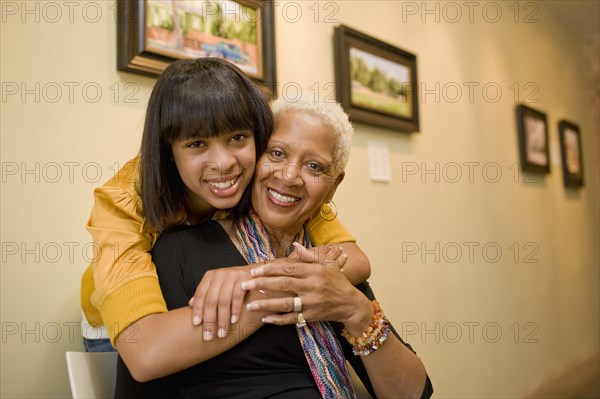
(294, 176)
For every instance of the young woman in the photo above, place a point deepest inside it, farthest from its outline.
(205, 124)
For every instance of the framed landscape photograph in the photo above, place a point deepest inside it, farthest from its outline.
(376, 83)
(532, 126)
(570, 151)
(153, 33)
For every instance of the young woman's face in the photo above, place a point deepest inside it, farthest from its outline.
(215, 170)
(295, 175)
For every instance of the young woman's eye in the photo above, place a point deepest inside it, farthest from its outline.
(239, 137)
(196, 144)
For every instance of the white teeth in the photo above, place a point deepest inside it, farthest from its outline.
(222, 184)
(282, 198)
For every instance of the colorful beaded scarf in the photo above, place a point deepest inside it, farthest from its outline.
(321, 347)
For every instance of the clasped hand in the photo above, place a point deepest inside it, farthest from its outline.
(219, 297)
(324, 291)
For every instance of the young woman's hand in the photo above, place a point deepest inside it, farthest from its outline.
(218, 300)
(328, 254)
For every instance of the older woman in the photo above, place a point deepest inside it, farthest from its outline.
(295, 354)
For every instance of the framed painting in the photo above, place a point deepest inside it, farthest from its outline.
(532, 127)
(153, 33)
(376, 83)
(570, 151)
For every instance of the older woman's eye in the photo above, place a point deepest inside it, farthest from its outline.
(315, 167)
(277, 153)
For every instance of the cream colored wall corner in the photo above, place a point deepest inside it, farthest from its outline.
(519, 322)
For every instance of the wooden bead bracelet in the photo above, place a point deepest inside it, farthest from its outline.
(373, 337)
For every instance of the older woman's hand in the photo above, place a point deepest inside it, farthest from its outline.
(323, 290)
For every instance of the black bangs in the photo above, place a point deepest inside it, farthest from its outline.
(206, 104)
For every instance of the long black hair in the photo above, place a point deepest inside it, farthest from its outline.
(205, 97)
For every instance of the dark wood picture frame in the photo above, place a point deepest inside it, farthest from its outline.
(532, 127)
(571, 153)
(393, 101)
(134, 56)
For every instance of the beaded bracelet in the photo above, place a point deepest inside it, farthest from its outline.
(373, 337)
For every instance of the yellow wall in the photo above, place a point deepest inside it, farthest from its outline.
(546, 311)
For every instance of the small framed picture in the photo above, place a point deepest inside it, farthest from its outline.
(376, 83)
(151, 34)
(570, 151)
(532, 126)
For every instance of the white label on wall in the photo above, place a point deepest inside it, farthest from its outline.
(379, 162)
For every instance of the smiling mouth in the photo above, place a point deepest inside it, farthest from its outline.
(222, 185)
(281, 198)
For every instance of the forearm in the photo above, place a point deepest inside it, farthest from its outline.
(164, 343)
(393, 369)
(358, 268)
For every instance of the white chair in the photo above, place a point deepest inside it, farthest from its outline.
(92, 375)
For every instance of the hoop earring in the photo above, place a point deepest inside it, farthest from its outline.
(327, 215)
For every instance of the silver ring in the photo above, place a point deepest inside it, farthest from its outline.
(301, 322)
(297, 304)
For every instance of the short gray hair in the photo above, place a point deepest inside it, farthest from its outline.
(330, 113)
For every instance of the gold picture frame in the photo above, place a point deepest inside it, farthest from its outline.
(150, 37)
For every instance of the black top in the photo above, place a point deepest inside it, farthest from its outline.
(269, 363)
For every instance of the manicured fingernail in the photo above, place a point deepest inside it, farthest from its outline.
(252, 306)
(222, 333)
(267, 320)
(248, 285)
(258, 271)
(196, 320)
(234, 319)
(208, 335)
